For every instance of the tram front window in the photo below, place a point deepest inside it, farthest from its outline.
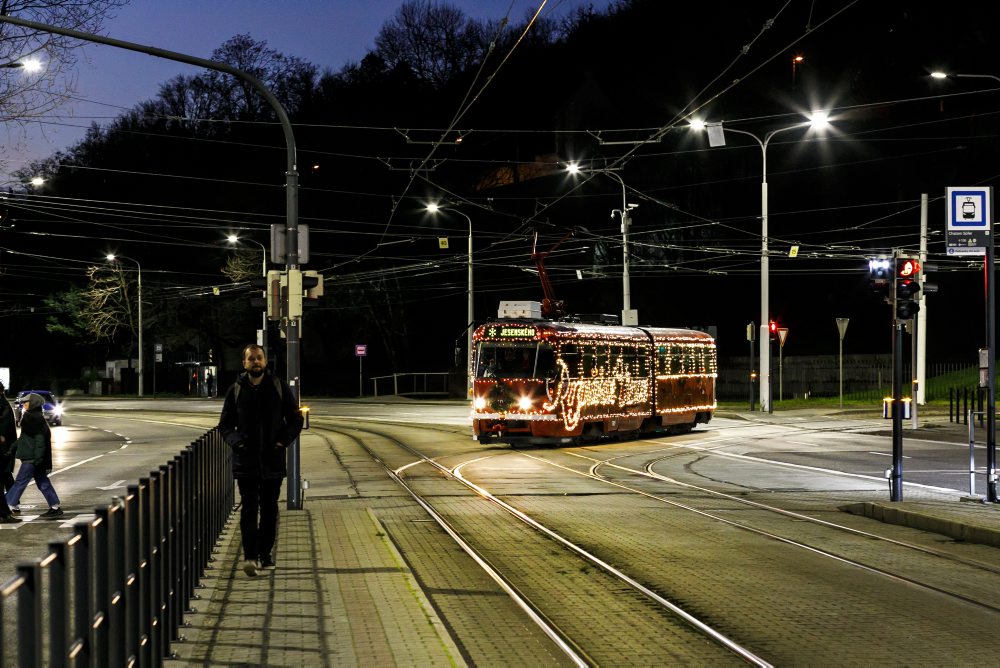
(515, 361)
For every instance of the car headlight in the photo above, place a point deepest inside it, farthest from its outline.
(525, 403)
(479, 403)
(57, 410)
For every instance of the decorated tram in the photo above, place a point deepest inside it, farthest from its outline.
(558, 381)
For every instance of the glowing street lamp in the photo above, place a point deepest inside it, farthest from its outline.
(111, 257)
(234, 240)
(818, 120)
(629, 317)
(434, 208)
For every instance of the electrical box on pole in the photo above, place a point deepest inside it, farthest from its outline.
(294, 294)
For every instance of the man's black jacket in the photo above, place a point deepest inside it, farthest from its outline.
(254, 420)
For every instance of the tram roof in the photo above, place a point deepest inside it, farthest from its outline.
(590, 329)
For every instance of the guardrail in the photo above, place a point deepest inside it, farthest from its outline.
(116, 591)
(413, 383)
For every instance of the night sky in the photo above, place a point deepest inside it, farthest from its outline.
(621, 97)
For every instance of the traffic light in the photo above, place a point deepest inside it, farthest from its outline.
(907, 288)
(312, 283)
(928, 288)
(271, 301)
(878, 275)
(772, 329)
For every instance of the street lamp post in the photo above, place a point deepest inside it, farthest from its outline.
(629, 317)
(992, 477)
(818, 120)
(233, 239)
(114, 258)
(470, 316)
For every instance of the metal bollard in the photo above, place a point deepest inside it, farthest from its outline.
(972, 450)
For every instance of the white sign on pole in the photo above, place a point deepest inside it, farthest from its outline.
(968, 221)
(361, 350)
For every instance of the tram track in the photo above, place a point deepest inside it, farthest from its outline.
(764, 600)
(594, 466)
(537, 607)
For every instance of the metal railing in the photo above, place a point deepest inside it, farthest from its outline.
(959, 404)
(412, 383)
(116, 591)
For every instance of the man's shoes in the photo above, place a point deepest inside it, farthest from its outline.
(250, 567)
(9, 519)
(16, 510)
(267, 563)
(52, 513)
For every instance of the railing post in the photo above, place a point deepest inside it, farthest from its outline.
(117, 628)
(80, 546)
(972, 456)
(102, 589)
(29, 616)
(58, 604)
(130, 572)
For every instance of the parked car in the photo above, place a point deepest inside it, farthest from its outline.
(51, 410)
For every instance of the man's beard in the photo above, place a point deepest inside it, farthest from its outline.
(255, 373)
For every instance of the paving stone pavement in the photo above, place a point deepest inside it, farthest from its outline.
(341, 594)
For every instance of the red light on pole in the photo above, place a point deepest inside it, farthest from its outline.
(909, 269)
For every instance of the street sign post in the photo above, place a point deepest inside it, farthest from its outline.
(750, 337)
(782, 335)
(842, 328)
(969, 214)
(360, 351)
(970, 232)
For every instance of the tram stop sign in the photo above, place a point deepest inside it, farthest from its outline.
(782, 335)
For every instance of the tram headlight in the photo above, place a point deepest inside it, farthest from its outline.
(479, 403)
(525, 403)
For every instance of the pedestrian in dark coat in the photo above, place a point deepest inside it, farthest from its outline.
(260, 418)
(36, 461)
(8, 434)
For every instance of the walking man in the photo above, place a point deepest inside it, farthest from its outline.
(260, 417)
(8, 434)
(36, 459)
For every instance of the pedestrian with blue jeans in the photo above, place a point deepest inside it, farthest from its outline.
(34, 449)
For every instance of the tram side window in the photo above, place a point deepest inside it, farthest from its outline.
(676, 360)
(546, 366)
(641, 367)
(570, 356)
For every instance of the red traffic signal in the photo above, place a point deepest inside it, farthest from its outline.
(907, 268)
(772, 328)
